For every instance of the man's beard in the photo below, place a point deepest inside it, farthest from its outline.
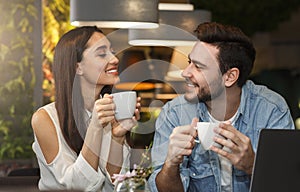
(208, 93)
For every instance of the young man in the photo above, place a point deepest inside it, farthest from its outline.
(217, 90)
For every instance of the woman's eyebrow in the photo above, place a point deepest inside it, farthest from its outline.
(101, 47)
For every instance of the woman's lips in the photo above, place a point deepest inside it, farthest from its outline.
(112, 71)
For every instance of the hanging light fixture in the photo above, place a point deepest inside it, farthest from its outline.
(115, 13)
(175, 29)
(176, 6)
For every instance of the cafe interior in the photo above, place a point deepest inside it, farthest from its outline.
(152, 40)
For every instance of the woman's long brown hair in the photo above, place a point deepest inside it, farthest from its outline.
(69, 101)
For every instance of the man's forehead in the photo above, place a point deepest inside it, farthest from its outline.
(202, 49)
(203, 46)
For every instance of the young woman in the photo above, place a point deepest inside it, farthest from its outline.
(78, 142)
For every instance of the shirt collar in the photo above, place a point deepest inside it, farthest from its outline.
(242, 110)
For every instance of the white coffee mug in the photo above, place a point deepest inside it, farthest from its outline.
(206, 134)
(125, 104)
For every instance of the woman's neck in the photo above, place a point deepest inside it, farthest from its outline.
(90, 93)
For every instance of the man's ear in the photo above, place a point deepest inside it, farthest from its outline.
(231, 76)
(79, 69)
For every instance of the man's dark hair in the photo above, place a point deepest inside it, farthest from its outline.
(235, 48)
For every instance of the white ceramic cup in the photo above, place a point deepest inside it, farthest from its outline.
(206, 134)
(125, 104)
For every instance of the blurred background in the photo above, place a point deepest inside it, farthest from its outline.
(30, 29)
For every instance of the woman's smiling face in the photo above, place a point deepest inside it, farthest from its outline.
(98, 66)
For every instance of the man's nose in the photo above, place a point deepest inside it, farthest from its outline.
(186, 72)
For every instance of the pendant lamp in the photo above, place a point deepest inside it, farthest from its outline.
(114, 13)
(176, 6)
(175, 29)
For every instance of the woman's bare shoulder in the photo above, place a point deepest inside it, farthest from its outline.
(45, 133)
(41, 122)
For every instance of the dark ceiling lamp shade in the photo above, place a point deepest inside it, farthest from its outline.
(114, 13)
(175, 29)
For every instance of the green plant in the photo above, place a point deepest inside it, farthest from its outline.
(56, 23)
(17, 72)
(13, 147)
(17, 77)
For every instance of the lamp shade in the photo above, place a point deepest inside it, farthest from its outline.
(114, 13)
(175, 29)
(176, 6)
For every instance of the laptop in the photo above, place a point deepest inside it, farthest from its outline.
(277, 161)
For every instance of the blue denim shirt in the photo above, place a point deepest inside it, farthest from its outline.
(259, 108)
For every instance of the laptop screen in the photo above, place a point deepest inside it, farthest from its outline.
(277, 161)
